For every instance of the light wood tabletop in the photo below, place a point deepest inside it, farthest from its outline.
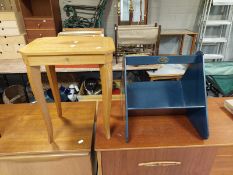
(22, 129)
(167, 131)
(68, 50)
(71, 45)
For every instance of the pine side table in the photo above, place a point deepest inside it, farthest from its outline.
(68, 50)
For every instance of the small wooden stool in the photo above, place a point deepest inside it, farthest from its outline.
(68, 50)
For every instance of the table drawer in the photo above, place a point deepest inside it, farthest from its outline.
(47, 165)
(39, 23)
(9, 31)
(19, 39)
(33, 34)
(177, 161)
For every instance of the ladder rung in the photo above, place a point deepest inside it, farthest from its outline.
(213, 56)
(214, 40)
(217, 22)
(222, 2)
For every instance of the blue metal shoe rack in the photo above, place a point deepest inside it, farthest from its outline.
(188, 93)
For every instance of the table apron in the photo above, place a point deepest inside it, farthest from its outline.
(67, 60)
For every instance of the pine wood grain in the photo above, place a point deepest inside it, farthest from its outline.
(52, 77)
(106, 83)
(69, 45)
(34, 77)
(165, 131)
(23, 130)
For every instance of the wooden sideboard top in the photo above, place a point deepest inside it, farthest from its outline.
(23, 129)
(164, 131)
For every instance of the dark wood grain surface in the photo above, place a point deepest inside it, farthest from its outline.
(165, 131)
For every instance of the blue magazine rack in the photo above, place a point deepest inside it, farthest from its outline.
(187, 94)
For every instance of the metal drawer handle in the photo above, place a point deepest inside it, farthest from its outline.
(164, 163)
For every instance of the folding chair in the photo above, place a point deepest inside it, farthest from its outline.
(137, 39)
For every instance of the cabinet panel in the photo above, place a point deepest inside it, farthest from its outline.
(9, 55)
(20, 39)
(7, 16)
(9, 31)
(39, 23)
(223, 164)
(33, 34)
(6, 24)
(51, 165)
(177, 161)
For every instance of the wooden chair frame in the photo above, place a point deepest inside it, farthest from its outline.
(155, 47)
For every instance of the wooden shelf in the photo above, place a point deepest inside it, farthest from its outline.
(11, 66)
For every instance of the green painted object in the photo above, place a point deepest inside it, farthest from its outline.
(83, 16)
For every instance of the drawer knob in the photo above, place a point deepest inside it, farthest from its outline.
(41, 35)
(38, 25)
(163, 163)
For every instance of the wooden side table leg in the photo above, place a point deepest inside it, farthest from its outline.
(181, 45)
(193, 45)
(51, 73)
(34, 77)
(106, 81)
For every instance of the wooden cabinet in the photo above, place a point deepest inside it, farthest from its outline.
(41, 18)
(10, 45)
(12, 35)
(55, 164)
(45, 23)
(33, 34)
(24, 147)
(166, 145)
(10, 24)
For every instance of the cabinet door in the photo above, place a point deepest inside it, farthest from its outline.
(176, 161)
(46, 165)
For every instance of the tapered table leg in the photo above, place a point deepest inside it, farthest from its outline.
(106, 81)
(52, 77)
(34, 76)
